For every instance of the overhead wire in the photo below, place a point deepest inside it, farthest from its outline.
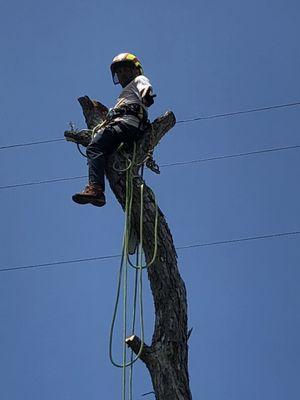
(31, 143)
(226, 156)
(164, 165)
(274, 235)
(180, 163)
(50, 264)
(195, 245)
(230, 114)
(222, 115)
(42, 182)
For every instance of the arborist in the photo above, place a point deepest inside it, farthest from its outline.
(124, 123)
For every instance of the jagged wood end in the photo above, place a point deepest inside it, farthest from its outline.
(162, 125)
(94, 112)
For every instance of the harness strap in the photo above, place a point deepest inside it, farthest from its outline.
(135, 110)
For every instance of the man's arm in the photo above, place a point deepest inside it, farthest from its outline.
(148, 96)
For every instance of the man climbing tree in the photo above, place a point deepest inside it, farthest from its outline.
(124, 123)
(166, 357)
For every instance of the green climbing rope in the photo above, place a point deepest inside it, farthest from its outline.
(138, 279)
(147, 265)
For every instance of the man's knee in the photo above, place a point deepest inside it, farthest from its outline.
(105, 141)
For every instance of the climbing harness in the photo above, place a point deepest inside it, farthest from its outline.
(84, 136)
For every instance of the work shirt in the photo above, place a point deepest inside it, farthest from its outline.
(133, 94)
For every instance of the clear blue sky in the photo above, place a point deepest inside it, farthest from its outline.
(203, 58)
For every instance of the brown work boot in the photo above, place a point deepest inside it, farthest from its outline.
(92, 194)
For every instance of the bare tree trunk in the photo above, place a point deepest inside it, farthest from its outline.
(167, 356)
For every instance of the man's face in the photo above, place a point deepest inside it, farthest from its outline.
(126, 73)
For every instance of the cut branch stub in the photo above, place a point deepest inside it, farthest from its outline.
(135, 343)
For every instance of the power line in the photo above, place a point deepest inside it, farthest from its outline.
(43, 182)
(80, 260)
(230, 114)
(181, 163)
(30, 143)
(249, 153)
(49, 264)
(238, 240)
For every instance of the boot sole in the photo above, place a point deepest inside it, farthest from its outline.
(98, 203)
(77, 198)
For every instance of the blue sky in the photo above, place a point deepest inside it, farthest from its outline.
(203, 58)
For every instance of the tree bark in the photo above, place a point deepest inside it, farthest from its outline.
(167, 356)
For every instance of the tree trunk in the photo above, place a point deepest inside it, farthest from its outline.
(167, 356)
